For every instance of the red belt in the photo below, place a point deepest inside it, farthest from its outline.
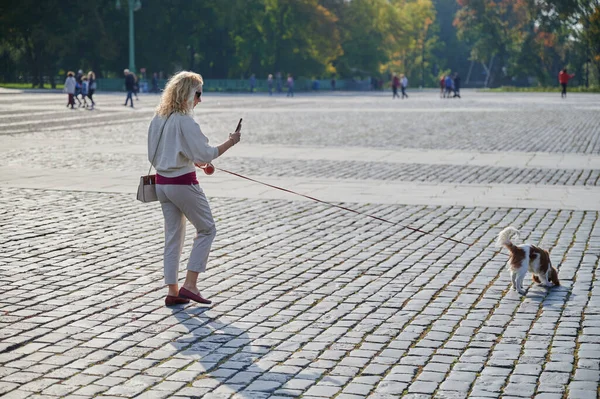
(183, 180)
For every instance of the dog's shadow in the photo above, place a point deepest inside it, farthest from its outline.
(552, 297)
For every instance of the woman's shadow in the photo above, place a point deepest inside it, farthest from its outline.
(221, 359)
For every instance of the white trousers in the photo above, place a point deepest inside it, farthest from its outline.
(179, 202)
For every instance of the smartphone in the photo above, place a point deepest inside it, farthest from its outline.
(239, 126)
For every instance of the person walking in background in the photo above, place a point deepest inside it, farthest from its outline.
(270, 84)
(84, 90)
(154, 82)
(290, 85)
(278, 82)
(79, 76)
(449, 86)
(70, 84)
(129, 83)
(563, 79)
(442, 86)
(395, 85)
(92, 88)
(175, 145)
(252, 83)
(136, 85)
(403, 85)
(333, 83)
(456, 85)
(78, 83)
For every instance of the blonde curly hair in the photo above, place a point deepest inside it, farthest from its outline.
(178, 95)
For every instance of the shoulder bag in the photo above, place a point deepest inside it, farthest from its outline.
(147, 188)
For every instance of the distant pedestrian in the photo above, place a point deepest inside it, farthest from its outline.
(563, 79)
(270, 84)
(84, 90)
(316, 85)
(456, 85)
(278, 82)
(252, 83)
(154, 82)
(79, 76)
(442, 86)
(70, 84)
(333, 83)
(290, 85)
(92, 88)
(129, 86)
(136, 86)
(78, 81)
(449, 86)
(395, 85)
(403, 85)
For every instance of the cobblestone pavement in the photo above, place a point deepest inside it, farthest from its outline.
(310, 301)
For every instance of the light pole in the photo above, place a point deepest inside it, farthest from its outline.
(132, 5)
(425, 31)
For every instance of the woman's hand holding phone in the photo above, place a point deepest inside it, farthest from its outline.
(237, 135)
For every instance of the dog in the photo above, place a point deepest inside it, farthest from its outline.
(527, 257)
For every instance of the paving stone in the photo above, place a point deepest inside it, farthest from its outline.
(309, 300)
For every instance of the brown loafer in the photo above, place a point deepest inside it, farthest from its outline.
(171, 300)
(190, 295)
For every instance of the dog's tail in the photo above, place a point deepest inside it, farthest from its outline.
(505, 236)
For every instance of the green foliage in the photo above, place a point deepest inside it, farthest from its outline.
(219, 38)
(519, 39)
(28, 86)
(530, 38)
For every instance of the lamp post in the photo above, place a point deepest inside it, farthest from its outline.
(132, 5)
(425, 31)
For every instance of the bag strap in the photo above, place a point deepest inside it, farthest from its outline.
(162, 129)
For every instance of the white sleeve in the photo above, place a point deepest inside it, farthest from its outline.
(196, 147)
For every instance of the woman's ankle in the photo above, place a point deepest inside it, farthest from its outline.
(190, 287)
(173, 289)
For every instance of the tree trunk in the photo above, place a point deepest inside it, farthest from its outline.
(31, 62)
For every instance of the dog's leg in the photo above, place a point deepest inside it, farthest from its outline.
(544, 280)
(520, 277)
(513, 279)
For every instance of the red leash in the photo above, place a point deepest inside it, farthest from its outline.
(341, 207)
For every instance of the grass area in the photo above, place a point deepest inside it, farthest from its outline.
(540, 89)
(28, 86)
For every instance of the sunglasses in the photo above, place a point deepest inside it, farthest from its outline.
(198, 94)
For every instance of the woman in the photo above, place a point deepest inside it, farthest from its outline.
(92, 87)
(70, 84)
(403, 85)
(290, 85)
(395, 85)
(563, 79)
(182, 146)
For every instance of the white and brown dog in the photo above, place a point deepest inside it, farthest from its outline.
(527, 257)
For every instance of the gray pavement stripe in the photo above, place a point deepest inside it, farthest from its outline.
(329, 190)
(74, 117)
(542, 130)
(34, 128)
(410, 172)
(65, 157)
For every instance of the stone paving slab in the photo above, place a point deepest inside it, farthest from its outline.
(309, 301)
(330, 190)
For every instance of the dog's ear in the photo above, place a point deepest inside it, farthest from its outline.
(535, 278)
(554, 276)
